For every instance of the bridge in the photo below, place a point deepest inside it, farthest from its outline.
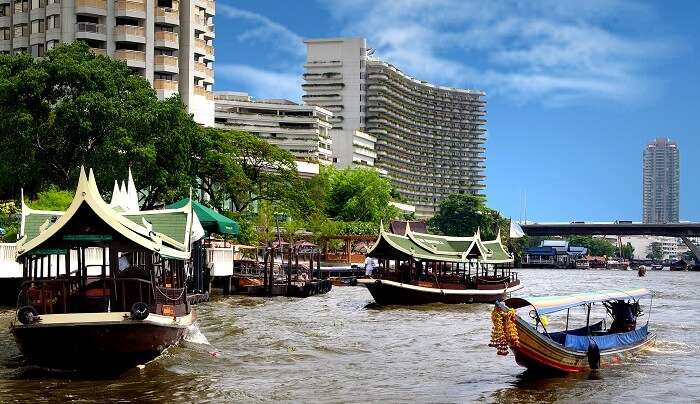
(682, 230)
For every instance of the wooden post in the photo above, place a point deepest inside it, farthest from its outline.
(289, 270)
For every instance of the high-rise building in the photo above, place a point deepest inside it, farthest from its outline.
(429, 138)
(661, 181)
(169, 42)
(303, 130)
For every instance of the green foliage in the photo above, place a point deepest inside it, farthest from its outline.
(9, 221)
(628, 251)
(463, 214)
(52, 199)
(245, 169)
(656, 252)
(359, 194)
(595, 246)
(247, 234)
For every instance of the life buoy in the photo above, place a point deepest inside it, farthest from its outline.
(139, 311)
(27, 315)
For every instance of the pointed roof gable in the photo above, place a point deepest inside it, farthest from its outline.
(88, 194)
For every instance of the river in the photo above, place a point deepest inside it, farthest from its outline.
(339, 348)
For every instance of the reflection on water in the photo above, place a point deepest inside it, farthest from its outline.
(340, 347)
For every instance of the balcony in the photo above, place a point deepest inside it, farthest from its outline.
(90, 30)
(5, 45)
(202, 92)
(99, 51)
(208, 5)
(130, 8)
(6, 21)
(130, 33)
(201, 24)
(20, 42)
(167, 64)
(136, 59)
(165, 88)
(203, 49)
(167, 16)
(202, 71)
(91, 7)
(165, 39)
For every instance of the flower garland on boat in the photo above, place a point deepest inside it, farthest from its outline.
(503, 333)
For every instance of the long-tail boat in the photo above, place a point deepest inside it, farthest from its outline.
(420, 268)
(101, 287)
(573, 350)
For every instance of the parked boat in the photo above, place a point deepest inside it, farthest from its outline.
(680, 265)
(124, 311)
(420, 268)
(572, 350)
(583, 263)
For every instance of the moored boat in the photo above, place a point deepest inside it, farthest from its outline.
(572, 350)
(420, 268)
(126, 309)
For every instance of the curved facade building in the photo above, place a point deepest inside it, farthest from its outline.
(429, 139)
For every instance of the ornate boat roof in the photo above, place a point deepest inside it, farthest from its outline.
(552, 304)
(432, 247)
(167, 231)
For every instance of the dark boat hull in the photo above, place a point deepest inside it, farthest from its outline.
(106, 344)
(387, 292)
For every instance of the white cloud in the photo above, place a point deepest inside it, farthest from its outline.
(550, 51)
(261, 83)
(264, 30)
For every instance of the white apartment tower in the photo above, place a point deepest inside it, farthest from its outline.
(169, 42)
(429, 138)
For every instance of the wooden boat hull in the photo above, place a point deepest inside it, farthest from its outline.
(386, 292)
(542, 354)
(95, 340)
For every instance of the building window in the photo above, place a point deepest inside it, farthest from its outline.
(21, 6)
(53, 23)
(5, 33)
(4, 10)
(37, 50)
(21, 30)
(51, 44)
(37, 26)
(38, 4)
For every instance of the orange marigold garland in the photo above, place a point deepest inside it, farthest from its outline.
(497, 327)
(504, 333)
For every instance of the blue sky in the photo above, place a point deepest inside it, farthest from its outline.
(574, 89)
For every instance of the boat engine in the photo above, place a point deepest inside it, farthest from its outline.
(593, 354)
(27, 315)
(139, 311)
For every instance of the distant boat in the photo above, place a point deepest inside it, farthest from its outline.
(572, 350)
(419, 268)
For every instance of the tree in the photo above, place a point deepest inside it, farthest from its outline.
(245, 169)
(463, 214)
(656, 252)
(628, 251)
(73, 108)
(595, 246)
(359, 194)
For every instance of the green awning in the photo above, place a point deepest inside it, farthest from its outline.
(211, 220)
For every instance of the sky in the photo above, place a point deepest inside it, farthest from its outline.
(575, 90)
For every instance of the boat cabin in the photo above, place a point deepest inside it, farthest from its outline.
(442, 262)
(94, 258)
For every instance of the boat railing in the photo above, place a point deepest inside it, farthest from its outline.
(67, 295)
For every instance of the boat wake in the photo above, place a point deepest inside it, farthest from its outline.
(194, 335)
(671, 347)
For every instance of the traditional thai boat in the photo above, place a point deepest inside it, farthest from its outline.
(102, 287)
(572, 350)
(420, 268)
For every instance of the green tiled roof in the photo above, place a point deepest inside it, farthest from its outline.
(498, 252)
(33, 221)
(172, 224)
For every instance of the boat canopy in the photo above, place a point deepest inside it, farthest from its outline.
(431, 247)
(212, 221)
(551, 304)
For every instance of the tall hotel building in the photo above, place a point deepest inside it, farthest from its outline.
(429, 138)
(661, 181)
(169, 42)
